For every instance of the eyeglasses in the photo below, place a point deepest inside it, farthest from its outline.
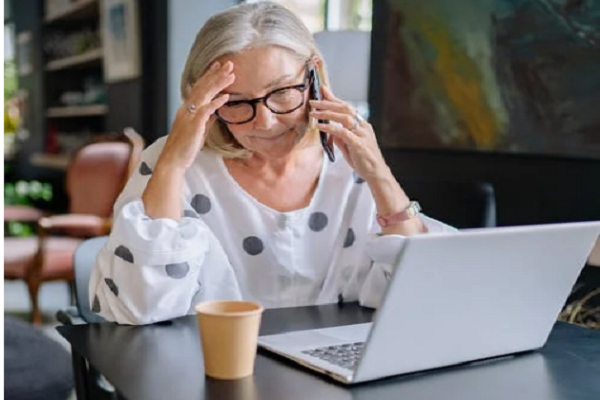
(280, 101)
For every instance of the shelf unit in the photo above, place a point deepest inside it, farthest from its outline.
(78, 22)
(77, 111)
(56, 161)
(81, 60)
(78, 10)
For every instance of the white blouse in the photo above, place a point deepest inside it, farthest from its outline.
(228, 245)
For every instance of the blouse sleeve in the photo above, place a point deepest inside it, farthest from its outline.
(383, 252)
(157, 269)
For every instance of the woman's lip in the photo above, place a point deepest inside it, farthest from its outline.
(274, 137)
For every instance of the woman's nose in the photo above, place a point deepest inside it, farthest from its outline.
(265, 118)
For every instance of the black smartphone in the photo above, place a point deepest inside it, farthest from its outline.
(315, 94)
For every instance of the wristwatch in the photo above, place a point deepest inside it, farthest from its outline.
(409, 212)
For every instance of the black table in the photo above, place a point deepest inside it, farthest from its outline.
(163, 362)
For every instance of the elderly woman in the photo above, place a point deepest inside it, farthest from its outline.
(240, 200)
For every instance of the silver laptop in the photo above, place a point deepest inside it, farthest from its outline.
(454, 298)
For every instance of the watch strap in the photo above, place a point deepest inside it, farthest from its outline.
(413, 209)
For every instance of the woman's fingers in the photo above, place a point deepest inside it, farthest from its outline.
(209, 75)
(338, 106)
(207, 110)
(211, 84)
(348, 121)
(339, 131)
(222, 79)
(327, 93)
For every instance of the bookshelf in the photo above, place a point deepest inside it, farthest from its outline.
(80, 60)
(75, 103)
(79, 10)
(77, 111)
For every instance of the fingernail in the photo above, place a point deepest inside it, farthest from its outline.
(215, 66)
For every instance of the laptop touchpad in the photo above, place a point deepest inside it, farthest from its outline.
(319, 337)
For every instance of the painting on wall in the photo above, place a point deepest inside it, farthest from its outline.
(120, 34)
(518, 76)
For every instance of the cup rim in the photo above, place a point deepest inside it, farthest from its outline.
(199, 308)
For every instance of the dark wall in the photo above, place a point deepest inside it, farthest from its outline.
(142, 103)
(154, 22)
(530, 189)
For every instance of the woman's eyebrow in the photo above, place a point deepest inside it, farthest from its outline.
(279, 80)
(271, 84)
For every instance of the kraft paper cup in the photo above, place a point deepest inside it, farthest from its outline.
(239, 389)
(228, 333)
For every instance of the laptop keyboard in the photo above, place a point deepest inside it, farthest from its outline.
(343, 355)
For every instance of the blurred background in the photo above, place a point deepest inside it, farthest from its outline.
(504, 93)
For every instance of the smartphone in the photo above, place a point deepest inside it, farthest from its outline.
(315, 94)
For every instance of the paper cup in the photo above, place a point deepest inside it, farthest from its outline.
(228, 333)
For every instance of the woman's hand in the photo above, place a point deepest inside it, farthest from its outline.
(162, 196)
(352, 134)
(195, 117)
(356, 139)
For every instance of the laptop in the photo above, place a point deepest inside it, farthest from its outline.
(454, 298)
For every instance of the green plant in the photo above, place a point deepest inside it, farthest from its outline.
(26, 194)
(11, 82)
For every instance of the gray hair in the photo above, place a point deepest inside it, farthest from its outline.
(239, 28)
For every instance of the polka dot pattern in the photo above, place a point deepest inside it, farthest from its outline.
(317, 221)
(350, 238)
(253, 245)
(178, 271)
(145, 169)
(201, 204)
(96, 305)
(357, 178)
(112, 286)
(124, 253)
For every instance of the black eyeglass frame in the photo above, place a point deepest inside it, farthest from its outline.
(253, 102)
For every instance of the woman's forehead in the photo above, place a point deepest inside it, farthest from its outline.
(257, 68)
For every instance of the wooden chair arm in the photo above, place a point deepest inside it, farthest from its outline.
(79, 225)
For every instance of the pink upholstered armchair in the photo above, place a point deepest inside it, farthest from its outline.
(94, 178)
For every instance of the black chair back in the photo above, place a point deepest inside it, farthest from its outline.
(460, 204)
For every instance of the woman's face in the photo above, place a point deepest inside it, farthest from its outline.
(258, 72)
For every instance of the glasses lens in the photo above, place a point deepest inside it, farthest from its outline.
(235, 112)
(285, 100)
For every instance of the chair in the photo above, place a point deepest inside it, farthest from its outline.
(460, 204)
(94, 178)
(89, 383)
(84, 259)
